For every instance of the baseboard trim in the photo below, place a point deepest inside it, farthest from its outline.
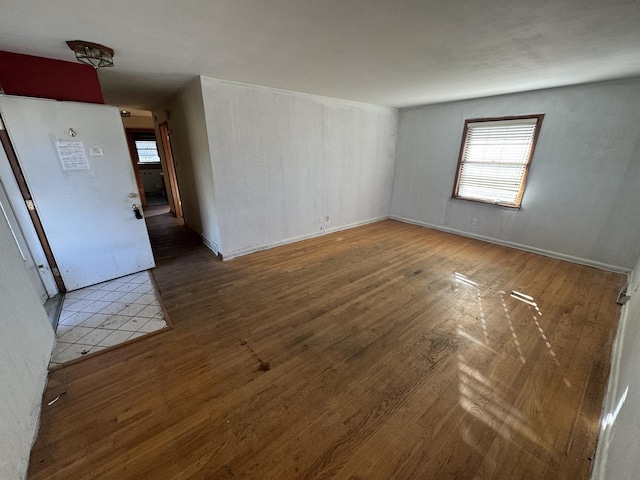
(210, 244)
(519, 246)
(246, 251)
(548, 253)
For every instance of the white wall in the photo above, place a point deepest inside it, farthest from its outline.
(281, 160)
(583, 188)
(619, 442)
(26, 341)
(192, 158)
(152, 180)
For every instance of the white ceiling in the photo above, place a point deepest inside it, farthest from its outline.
(387, 52)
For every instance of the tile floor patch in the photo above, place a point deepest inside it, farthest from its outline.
(77, 295)
(75, 318)
(94, 295)
(76, 305)
(59, 348)
(149, 311)
(74, 351)
(96, 336)
(131, 297)
(113, 308)
(115, 322)
(134, 324)
(95, 320)
(146, 298)
(75, 334)
(107, 314)
(112, 296)
(115, 337)
(131, 310)
(62, 329)
(153, 325)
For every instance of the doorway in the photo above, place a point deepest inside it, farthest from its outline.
(175, 204)
(146, 163)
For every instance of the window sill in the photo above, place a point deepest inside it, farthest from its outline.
(489, 204)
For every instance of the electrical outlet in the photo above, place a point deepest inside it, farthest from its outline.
(474, 222)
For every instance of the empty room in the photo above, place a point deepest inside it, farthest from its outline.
(319, 240)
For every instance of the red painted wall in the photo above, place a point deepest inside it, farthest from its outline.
(47, 78)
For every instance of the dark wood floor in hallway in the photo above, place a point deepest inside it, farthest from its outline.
(387, 351)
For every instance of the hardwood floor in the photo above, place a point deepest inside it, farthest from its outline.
(388, 351)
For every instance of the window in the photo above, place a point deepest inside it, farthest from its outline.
(147, 151)
(146, 147)
(495, 158)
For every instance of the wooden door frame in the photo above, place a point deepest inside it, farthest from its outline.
(129, 132)
(165, 142)
(33, 213)
(24, 246)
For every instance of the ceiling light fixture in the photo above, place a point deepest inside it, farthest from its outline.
(94, 54)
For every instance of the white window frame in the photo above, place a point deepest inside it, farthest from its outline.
(477, 134)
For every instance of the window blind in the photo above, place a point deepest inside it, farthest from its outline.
(494, 160)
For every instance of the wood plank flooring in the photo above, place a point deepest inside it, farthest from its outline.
(388, 351)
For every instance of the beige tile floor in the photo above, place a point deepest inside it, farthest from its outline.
(104, 315)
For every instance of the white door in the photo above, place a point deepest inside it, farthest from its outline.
(34, 275)
(76, 163)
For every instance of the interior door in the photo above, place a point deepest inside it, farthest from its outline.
(75, 161)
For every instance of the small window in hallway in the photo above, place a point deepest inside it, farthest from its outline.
(146, 148)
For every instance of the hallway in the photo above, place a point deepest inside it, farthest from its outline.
(384, 351)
